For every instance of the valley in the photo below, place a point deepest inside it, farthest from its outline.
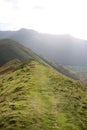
(81, 72)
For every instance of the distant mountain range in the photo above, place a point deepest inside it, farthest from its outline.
(62, 49)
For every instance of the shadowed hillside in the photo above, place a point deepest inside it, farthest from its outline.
(10, 50)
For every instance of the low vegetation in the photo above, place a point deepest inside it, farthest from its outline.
(34, 96)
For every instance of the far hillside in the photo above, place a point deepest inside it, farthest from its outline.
(10, 50)
(80, 72)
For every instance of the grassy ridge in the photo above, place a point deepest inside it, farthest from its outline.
(36, 97)
(10, 50)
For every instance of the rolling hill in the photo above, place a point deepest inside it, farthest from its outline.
(34, 96)
(62, 49)
(10, 50)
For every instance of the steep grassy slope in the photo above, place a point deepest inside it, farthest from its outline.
(10, 50)
(36, 97)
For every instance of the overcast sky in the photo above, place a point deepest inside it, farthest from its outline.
(47, 16)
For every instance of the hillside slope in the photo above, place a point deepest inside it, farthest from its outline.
(10, 50)
(63, 49)
(36, 97)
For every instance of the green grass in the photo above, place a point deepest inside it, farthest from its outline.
(36, 97)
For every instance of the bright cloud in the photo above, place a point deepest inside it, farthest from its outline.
(49, 16)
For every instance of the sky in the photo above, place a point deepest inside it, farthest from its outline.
(46, 16)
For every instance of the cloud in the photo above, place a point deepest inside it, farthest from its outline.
(11, 3)
(51, 16)
(38, 7)
(5, 26)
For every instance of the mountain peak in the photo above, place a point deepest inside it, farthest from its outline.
(26, 30)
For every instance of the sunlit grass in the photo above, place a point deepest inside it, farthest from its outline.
(36, 97)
